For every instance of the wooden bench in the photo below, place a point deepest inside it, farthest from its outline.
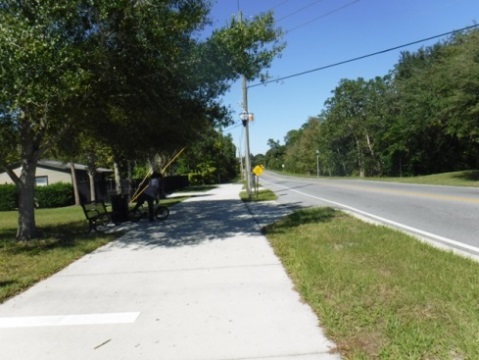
(97, 215)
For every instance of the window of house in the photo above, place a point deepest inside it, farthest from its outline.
(41, 180)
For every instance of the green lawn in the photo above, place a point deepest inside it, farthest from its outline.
(380, 294)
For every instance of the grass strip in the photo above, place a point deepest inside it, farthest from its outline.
(468, 178)
(379, 293)
(260, 195)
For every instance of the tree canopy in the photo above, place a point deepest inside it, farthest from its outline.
(133, 76)
(421, 118)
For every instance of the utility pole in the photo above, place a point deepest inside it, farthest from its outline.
(246, 117)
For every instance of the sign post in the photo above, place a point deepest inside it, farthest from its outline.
(257, 170)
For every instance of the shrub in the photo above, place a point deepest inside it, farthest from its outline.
(8, 197)
(195, 179)
(55, 195)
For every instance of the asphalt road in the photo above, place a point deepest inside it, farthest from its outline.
(446, 215)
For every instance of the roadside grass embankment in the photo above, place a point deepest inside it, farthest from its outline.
(379, 293)
(457, 178)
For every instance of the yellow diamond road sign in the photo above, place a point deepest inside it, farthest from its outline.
(258, 170)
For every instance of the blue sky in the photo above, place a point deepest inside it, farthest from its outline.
(315, 39)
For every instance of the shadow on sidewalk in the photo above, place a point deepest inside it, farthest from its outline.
(192, 223)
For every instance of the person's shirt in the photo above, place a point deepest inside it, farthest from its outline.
(153, 188)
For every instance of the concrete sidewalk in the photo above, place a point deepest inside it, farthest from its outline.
(204, 284)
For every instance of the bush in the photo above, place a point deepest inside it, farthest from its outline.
(8, 197)
(55, 195)
(51, 196)
(195, 179)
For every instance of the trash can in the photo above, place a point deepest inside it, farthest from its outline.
(119, 207)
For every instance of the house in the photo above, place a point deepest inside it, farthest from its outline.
(50, 172)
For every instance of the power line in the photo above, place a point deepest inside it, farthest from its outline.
(299, 10)
(277, 6)
(363, 56)
(232, 127)
(322, 16)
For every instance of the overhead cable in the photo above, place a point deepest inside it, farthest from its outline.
(299, 10)
(277, 6)
(363, 56)
(322, 16)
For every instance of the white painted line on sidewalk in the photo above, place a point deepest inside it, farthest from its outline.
(389, 222)
(68, 320)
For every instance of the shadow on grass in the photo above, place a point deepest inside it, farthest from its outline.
(50, 237)
(7, 283)
(7, 235)
(470, 175)
(301, 217)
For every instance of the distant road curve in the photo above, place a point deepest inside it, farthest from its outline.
(445, 215)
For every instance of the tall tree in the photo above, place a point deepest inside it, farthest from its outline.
(248, 46)
(429, 146)
(274, 157)
(39, 78)
(460, 76)
(129, 74)
(300, 153)
(212, 158)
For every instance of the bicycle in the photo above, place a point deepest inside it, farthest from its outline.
(161, 212)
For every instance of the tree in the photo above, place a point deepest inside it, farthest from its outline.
(274, 157)
(300, 155)
(211, 159)
(347, 108)
(149, 95)
(430, 148)
(129, 75)
(460, 76)
(419, 119)
(39, 79)
(357, 117)
(247, 47)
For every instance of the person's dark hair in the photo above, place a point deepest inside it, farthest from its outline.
(155, 175)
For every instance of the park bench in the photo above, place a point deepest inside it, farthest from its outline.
(97, 215)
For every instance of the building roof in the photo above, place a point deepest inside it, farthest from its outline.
(53, 164)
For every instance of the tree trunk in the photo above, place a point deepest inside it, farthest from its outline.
(130, 179)
(30, 153)
(76, 193)
(91, 178)
(116, 168)
(362, 172)
(377, 163)
(26, 202)
(91, 170)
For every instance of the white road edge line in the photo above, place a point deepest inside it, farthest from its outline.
(390, 222)
(68, 320)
